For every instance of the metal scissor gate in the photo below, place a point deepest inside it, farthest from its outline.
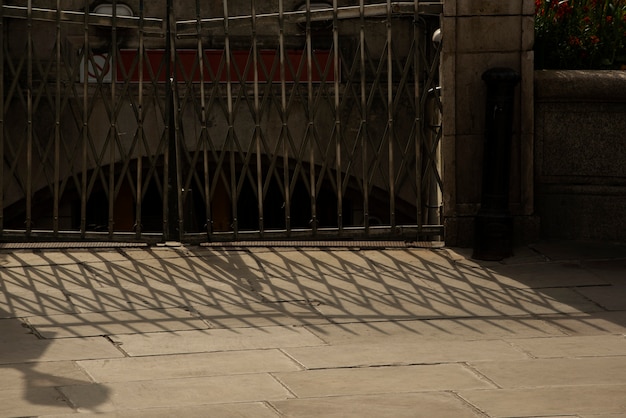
(201, 121)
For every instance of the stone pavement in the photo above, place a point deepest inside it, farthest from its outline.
(336, 332)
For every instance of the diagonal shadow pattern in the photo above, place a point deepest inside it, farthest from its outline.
(84, 321)
(83, 293)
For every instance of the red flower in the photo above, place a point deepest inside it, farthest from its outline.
(574, 41)
(563, 9)
(567, 28)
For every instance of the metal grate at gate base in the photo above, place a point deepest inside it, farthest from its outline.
(191, 119)
(68, 245)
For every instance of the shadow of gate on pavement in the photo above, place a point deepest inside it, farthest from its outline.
(86, 305)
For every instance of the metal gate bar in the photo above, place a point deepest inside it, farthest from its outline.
(60, 16)
(221, 125)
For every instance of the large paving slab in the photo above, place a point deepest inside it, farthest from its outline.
(597, 323)
(47, 277)
(44, 374)
(114, 298)
(612, 271)
(543, 275)
(550, 401)
(417, 352)
(427, 305)
(234, 270)
(410, 261)
(215, 340)
(284, 262)
(500, 277)
(188, 365)
(390, 272)
(175, 392)
(555, 372)
(580, 250)
(436, 329)
(233, 410)
(462, 278)
(379, 380)
(181, 263)
(546, 301)
(155, 294)
(612, 298)
(57, 350)
(12, 330)
(453, 303)
(115, 322)
(586, 346)
(34, 401)
(156, 273)
(32, 302)
(410, 405)
(319, 288)
(256, 314)
(182, 272)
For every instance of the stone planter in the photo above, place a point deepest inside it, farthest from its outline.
(580, 154)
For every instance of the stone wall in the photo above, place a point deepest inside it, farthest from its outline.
(478, 35)
(580, 137)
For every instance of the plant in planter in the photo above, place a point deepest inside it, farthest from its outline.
(580, 34)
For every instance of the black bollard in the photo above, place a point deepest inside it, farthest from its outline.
(493, 227)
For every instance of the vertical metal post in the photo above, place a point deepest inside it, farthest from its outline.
(113, 122)
(257, 119)
(337, 128)
(85, 127)
(363, 128)
(29, 128)
(231, 117)
(390, 122)
(180, 225)
(171, 230)
(2, 116)
(140, 130)
(283, 115)
(311, 125)
(57, 124)
(203, 116)
(419, 120)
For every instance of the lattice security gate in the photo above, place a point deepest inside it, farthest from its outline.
(182, 120)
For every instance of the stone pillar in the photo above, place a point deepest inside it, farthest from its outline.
(479, 35)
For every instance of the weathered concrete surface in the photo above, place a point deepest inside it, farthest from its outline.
(405, 405)
(194, 332)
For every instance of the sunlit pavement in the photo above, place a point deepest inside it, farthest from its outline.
(193, 331)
